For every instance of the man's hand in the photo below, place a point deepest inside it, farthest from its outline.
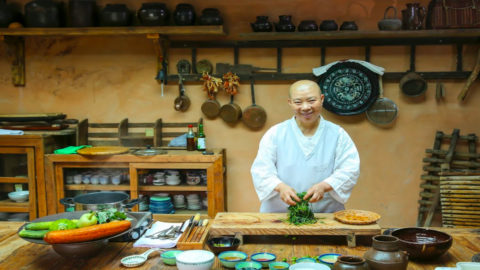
(317, 191)
(287, 193)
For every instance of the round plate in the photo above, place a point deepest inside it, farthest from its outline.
(349, 88)
(356, 217)
(73, 215)
(103, 150)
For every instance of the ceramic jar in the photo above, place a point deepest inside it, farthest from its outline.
(210, 16)
(82, 13)
(116, 15)
(43, 14)
(349, 26)
(184, 15)
(306, 26)
(385, 254)
(284, 24)
(329, 25)
(262, 24)
(350, 262)
(153, 14)
(8, 14)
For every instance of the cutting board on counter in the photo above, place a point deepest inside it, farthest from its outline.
(274, 224)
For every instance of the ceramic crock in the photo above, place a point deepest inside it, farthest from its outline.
(385, 254)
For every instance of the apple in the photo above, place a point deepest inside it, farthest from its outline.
(86, 220)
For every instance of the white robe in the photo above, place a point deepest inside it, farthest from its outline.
(286, 155)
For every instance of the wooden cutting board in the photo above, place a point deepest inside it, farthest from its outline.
(103, 150)
(273, 224)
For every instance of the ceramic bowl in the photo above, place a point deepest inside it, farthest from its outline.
(309, 266)
(225, 242)
(4, 216)
(195, 260)
(230, 258)
(18, 196)
(169, 257)
(254, 265)
(422, 243)
(306, 260)
(263, 258)
(328, 259)
(19, 217)
(278, 265)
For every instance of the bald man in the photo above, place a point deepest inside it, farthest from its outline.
(305, 153)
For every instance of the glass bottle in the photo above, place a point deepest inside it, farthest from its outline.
(201, 142)
(190, 139)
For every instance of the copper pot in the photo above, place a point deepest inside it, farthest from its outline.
(231, 112)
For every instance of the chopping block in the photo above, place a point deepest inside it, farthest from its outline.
(276, 224)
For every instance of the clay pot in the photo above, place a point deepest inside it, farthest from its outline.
(423, 243)
(82, 13)
(153, 14)
(43, 14)
(116, 15)
(8, 14)
(285, 24)
(262, 24)
(210, 16)
(390, 23)
(413, 16)
(184, 15)
(329, 25)
(350, 262)
(307, 26)
(349, 26)
(385, 254)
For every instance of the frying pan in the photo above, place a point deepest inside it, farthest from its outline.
(254, 116)
(182, 102)
(211, 108)
(230, 112)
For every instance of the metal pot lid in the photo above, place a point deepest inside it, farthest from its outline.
(149, 152)
(349, 88)
(104, 197)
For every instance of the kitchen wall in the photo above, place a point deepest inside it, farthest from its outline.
(106, 79)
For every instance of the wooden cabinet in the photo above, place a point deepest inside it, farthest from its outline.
(58, 167)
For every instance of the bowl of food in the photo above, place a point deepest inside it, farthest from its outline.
(422, 243)
(169, 257)
(221, 244)
(195, 260)
(230, 258)
(328, 259)
(309, 266)
(19, 196)
(248, 265)
(263, 258)
(278, 265)
(306, 260)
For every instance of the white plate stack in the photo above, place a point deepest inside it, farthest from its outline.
(179, 202)
(193, 202)
(159, 179)
(172, 177)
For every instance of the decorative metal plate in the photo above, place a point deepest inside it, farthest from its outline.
(349, 88)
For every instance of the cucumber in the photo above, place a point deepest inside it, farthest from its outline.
(32, 234)
(38, 226)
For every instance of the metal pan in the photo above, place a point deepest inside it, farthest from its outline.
(231, 112)
(413, 85)
(182, 102)
(211, 108)
(254, 116)
(100, 201)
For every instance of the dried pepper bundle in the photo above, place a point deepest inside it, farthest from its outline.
(210, 84)
(231, 82)
(301, 214)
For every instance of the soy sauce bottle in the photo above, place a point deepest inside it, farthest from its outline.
(190, 139)
(201, 141)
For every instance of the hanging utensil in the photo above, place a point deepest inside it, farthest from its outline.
(254, 116)
(383, 110)
(239, 68)
(231, 112)
(413, 85)
(182, 102)
(211, 108)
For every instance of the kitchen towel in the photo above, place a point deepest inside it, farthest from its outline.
(10, 132)
(159, 243)
(320, 70)
(70, 149)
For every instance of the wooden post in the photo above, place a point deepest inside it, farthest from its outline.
(471, 79)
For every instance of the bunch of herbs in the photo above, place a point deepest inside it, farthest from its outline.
(301, 214)
(110, 215)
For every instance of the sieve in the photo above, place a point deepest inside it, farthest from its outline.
(383, 110)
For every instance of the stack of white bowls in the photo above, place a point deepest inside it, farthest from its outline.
(172, 177)
(193, 202)
(159, 179)
(179, 202)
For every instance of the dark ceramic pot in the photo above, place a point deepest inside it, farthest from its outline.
(385, 254)
(350, 262)
(82, 13)
(328, 25)
(43, 14)
(284, 24)
(422, 243)
(184, 15)
(210, 16)
(306, 26)
(153, 14)
(8, 14)
(116, 15)
(349, 26)
(262, 24)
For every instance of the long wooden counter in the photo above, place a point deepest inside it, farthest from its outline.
(15, 253)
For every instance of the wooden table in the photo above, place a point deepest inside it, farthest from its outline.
(16, 253)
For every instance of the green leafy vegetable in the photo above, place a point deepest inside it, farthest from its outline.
(110, 215)
(301, 214)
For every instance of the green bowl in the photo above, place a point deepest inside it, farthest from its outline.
(264, 258)
(231, 263)
(170, 257)
(328, 259)
(306, 260)
(278, 265)
(254, 265)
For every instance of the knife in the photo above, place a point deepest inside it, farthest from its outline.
(194, 223)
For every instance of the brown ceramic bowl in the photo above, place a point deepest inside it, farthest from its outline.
(226, 241)
(423, 244)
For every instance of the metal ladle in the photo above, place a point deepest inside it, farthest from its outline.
(137, 260)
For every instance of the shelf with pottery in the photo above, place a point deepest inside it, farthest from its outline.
(173, 188)
(97, 187)
(12, 206)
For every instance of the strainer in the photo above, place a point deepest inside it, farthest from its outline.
(383, 110)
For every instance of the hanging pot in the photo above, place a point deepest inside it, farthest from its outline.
(254, 116)
(100, 201)
(413, 85)
(231, 112)
(182, 102)
(211, 108)
(349, 88)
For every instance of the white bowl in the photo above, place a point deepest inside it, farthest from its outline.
(19, 217)
(18, 196)
(195, 260)
(309, 266)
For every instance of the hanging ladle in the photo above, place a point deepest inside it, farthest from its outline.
(137, 260)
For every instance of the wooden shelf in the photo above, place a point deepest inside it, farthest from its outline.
(14, 180)
(12, 206)
(117, 31)
(173, 188)
(97, 187)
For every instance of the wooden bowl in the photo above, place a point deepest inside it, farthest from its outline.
(422, 243)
